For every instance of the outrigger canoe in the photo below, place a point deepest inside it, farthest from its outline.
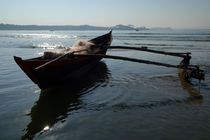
(48, 72)
(62, 69)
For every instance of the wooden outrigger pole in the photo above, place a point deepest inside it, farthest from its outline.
(186, 70)
(149, 50)
(126, 59)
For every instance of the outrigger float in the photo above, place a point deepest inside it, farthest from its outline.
(71, 65)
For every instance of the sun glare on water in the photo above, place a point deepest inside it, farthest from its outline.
(46, 128)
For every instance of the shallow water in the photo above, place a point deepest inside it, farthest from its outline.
(117, 100)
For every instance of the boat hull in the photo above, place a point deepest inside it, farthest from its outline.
(62, 70)
(54, 74)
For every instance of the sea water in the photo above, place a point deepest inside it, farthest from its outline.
(117, 99)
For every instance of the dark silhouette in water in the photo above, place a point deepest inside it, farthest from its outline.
(55, 104)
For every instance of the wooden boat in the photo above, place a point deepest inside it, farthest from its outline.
(61, 70)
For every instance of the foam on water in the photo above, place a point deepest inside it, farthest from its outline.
(39, 36)
(46, 45)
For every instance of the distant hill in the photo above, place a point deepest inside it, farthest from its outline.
(48, 27)
(161, 28)
(122, 27)
(66, 27)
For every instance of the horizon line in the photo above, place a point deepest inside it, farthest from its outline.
(128, 25)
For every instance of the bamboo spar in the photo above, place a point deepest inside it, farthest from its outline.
(56, 59)
(125, 58)
(149, 50)
(193, 71)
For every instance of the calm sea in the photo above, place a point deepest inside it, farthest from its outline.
(117, 100)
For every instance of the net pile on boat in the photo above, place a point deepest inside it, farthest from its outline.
(80, 47)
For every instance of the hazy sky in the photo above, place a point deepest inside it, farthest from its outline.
(149, 13)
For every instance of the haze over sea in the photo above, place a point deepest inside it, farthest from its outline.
(117, 99)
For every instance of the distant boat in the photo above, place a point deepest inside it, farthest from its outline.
(56, 71)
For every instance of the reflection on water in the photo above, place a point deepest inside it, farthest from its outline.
(194, 93)
(55, 104)
(194, 97)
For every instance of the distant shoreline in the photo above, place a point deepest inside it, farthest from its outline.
(67, 27)
(13, 27)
